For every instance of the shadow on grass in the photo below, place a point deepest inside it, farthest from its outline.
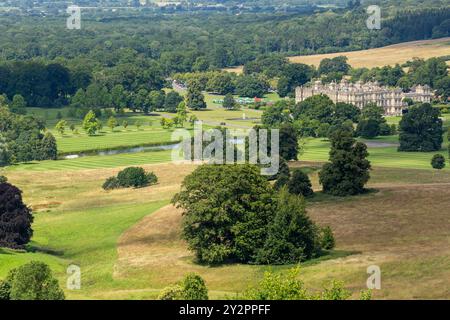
(320, 196)
(329, 255)
(326, 255)
(35, 248)
(6, 251)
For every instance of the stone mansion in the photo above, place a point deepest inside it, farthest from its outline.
(360, 94)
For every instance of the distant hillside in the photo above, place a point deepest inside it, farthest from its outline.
(378, 57)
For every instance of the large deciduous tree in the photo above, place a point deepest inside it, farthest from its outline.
(119, 98)
(22, 139)
(348, 169)
(370, 121)
(293, 75)
(318, 107)
(229, 102)
(251, 86)
(172, 100)
(226, 212)
(421, 129)
(194, 97)
(15, 218)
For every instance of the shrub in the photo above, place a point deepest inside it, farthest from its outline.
(366, 295)
(133, 177)
(3, 179)
(34, 281)
(5, 290)
(287, 286)
(300, 184)
(438, 161)
(280, 286)
(194, 288)
(281, 181)
(152, 178)
(111, 183)
(174, 292)
(385, 129)
(130, 177)
(5, 285)
(393, 129)
(283, 170)
(335, 291)
(327, 241)
(283, 175)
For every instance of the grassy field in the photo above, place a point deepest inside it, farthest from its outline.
(149, 133)
(386, 228)
(378, 57)
(127, 242)
(315, 149)
(77, 222)
(318, 149)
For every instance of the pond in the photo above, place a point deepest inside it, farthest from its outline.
(122, 151)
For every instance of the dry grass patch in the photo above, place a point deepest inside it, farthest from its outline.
(378, 57)
(82, 189)
(153, 250)
(389, 55)
(403, 228)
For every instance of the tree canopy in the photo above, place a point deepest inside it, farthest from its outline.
(421, 129)
(15, 218)
(348, 169)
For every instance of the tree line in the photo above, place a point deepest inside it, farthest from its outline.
(24, 138)
(148, 50)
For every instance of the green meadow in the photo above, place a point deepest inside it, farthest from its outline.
(118, 238)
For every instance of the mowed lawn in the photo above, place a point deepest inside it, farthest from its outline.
(119, 138)
(95, 162)
(384, 156)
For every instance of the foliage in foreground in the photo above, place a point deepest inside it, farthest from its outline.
(192, 287)
(232, 214)
(135, 177)
(287, 286)
(31, 281)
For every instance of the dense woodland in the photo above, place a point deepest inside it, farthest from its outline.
(140, 51)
